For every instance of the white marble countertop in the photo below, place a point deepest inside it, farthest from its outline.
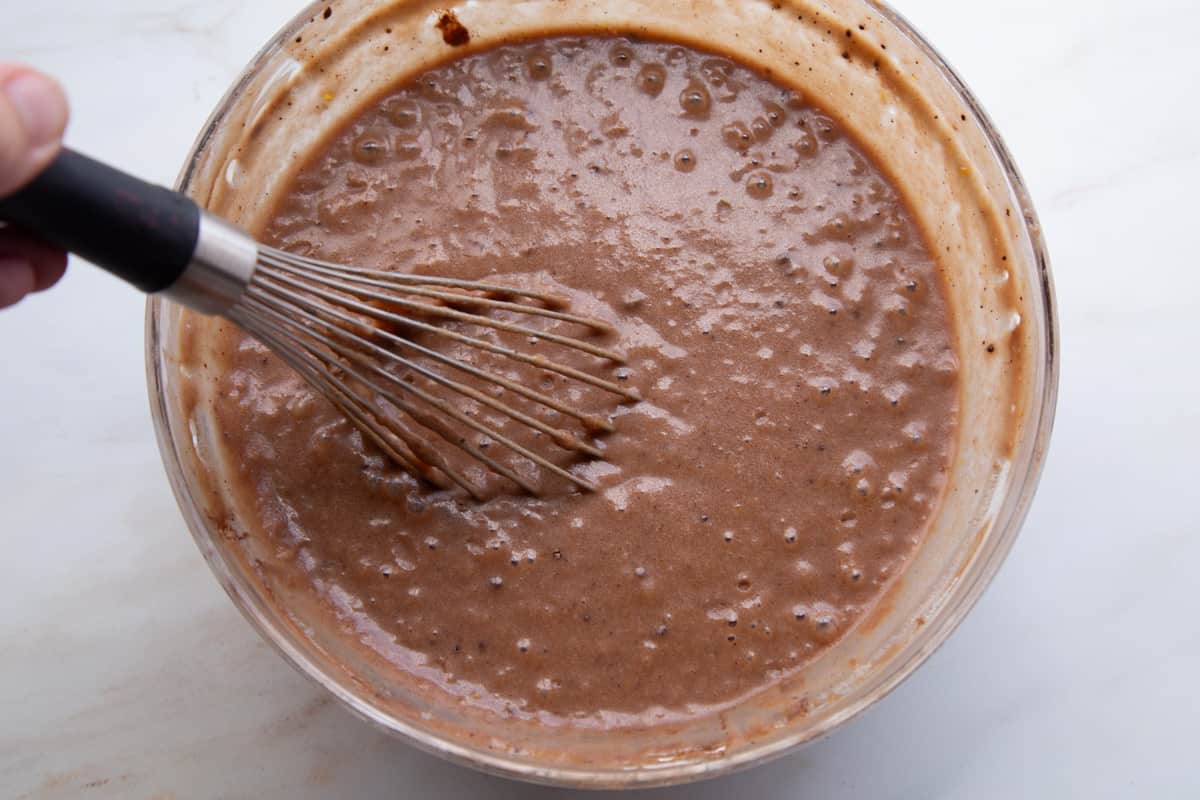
(126, 673)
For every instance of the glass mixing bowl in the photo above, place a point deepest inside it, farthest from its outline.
(867, 67)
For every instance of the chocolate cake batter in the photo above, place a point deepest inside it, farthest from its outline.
(781, 315)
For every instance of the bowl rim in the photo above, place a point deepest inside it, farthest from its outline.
(975, 580)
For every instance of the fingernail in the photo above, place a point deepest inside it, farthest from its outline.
(40, 104)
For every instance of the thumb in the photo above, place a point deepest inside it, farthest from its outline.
(33, 114)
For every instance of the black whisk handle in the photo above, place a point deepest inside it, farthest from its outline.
(140, 232)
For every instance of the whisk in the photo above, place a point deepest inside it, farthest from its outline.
(353, 333)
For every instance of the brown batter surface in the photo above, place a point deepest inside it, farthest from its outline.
(781, 315)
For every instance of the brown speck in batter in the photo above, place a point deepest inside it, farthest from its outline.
(454, 33)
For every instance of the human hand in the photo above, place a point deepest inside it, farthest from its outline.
(33, 115)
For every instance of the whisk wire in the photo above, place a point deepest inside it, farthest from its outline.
(294, 351)
(325, 321)
(348, 400)
(299, 304)
(449, 313)
(481, 301)
(482, 344)
(436, 402)
(276, 257)
(562, 438)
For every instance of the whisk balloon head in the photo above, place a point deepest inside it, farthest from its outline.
(436, 371)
